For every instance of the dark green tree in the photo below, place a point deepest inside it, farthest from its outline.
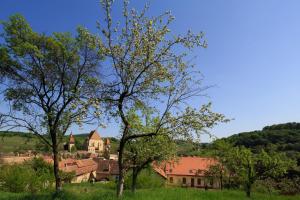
(48, 81)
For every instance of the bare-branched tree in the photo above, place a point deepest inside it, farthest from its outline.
(147, 68)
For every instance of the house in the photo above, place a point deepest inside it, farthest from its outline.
(188, 172)
(85, 170)
(107, 170)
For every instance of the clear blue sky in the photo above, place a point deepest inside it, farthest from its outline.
(253, 53)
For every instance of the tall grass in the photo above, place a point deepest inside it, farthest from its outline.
(103, 191)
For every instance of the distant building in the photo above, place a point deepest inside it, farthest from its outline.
(94, 143)
(85, 169)
(188, 172)
(107, 170)
(71, 143)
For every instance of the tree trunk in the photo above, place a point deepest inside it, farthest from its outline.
(249, 182)
(248, 189)
(120, 185)
(134, 179)
(221, 182)
(58, 184)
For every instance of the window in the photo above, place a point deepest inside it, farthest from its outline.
(171, 179)
(170, 170)
(211, 182)
(184, 180)
(199, 181)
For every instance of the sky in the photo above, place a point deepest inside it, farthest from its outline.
(253, 54)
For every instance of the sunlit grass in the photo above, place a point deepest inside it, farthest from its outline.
(106, 192)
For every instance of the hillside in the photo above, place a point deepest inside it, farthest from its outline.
(21, 142)
(280, 137)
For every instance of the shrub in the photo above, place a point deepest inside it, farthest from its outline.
(146, 179)
(31, 176)
(15, 178)
(289, 186)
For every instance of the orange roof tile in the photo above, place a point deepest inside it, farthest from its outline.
(78, 166)
(110, 165)
(186, 166)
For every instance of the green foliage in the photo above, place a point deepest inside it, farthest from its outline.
(286, 126)
(281, 137)
(32, 176)
(101, 191)
(73, 149)
(67, 176)
(15, 178)
(289, 186)
(147, 179)
(250, 167)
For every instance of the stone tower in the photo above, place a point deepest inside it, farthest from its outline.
(71, 143)
(107, 146)
(94, 143)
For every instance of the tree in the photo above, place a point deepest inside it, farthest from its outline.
(148, 68)
(216, 171)
(252, 167)
(49, 81)
(142, 152)
(221, 150)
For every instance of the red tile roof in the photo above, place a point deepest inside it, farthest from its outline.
(108, 167)
(185, 166)
(78, 166)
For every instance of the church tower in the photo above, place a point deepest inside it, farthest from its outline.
(107, 146)
(71, 144)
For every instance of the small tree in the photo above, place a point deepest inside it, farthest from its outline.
(142, 152)
(252, 167)
(49, 81)
(148, 69)
(221, 150)
(216, 172)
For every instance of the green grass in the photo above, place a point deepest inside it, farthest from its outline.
(106, 192)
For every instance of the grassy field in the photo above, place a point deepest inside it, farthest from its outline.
(17, 143)
(106, 192)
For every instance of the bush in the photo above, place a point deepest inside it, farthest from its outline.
(268, 185)
(15, 178)
(289, 186)
(31, 176)
(146, 179)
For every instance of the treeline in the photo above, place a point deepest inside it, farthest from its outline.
(15, 133)
(290, 126)
(275, 144)
(280, 137)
